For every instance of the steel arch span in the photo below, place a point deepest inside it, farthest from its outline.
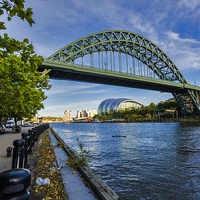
(123, 58)
(51, 109)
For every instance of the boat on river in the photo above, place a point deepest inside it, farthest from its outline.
(118, 135)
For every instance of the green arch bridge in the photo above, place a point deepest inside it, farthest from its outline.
(122, 58)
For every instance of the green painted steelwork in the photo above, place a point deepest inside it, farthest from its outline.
(122, 42)
(126, 59)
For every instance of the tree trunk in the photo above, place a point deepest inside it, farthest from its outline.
(15, 119)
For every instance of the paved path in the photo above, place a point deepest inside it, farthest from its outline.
(6, 140)
(74, 186)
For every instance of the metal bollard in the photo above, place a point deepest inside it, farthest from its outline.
(30, 141)
(18, 154)
(17, 129)
(14, 184)
(25, 138)
(9, 151)
(35, 134)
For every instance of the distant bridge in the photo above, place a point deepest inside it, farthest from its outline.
(122, 58)
(51, 109)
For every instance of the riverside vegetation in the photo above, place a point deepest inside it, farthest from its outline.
(163, 111)
(21, 84)
(46, 167)
(76, 158)
(80, 158)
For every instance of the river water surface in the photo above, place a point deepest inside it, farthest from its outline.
(153, 161)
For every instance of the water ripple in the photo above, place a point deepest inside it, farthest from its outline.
(153, 161)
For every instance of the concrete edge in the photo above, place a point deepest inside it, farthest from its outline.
(97, 184)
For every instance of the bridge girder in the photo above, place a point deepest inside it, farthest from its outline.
(135, 46)
(125, 42)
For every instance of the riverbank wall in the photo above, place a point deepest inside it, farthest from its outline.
(103, 191)
(142, 121)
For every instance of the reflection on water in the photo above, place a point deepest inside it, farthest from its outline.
(153, 161)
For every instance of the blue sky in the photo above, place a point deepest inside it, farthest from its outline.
(172, 25)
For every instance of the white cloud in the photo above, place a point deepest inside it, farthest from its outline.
(189, 4)
(89, 92)
(182, 51)
(83, 105)
(67, 87)
(176, 37)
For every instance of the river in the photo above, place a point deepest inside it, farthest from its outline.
(153, 161)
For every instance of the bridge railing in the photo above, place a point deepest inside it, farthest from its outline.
(125, 73)
(189, 85)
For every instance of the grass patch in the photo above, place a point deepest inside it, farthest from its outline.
(46, 167)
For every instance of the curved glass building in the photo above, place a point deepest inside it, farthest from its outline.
(110, 106)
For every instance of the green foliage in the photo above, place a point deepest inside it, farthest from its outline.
(21, 84)
(168, 105)
(152, 104)
(144, 112)
(13, 8)
(21, 87)
(9, 45)
(46, 168)
(80, 158)
(148, 116)
(60, 144)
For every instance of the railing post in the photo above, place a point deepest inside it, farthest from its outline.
(18, 154)
(14, 184)
(25, 138)
(35, 134)
(30, 141)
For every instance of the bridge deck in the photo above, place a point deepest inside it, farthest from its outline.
(61, 70)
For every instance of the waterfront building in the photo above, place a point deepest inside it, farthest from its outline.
(110, 106)
(91, 113)
(67, 116)
(86, 113)
(79, 114)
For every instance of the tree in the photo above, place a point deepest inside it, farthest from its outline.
(161, 105)
(21, 85)
(152, 104)
(148, 116)
(21, 89)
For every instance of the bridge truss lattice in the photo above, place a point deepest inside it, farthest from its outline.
(132, 54)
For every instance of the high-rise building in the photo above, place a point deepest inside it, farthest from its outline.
(91, 113)
(67, 116)
(86, 113)
(79, 114)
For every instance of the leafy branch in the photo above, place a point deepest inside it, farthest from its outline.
(21, 86)
(13, 8)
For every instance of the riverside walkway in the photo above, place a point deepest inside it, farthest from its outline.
(75, 187)
(6, 140)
